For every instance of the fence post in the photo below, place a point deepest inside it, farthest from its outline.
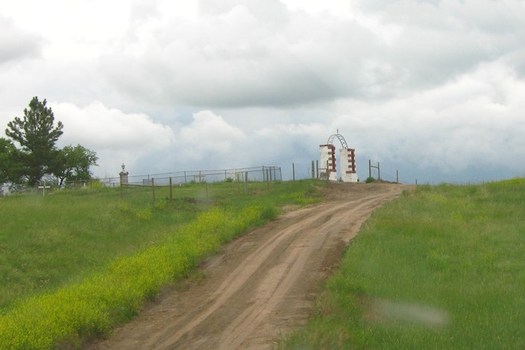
(313, 170)
(397, 176)
(317, 169)
(293, 172)
(121, 191)
(238, 178)
(245, 182)
(268, 178)
(171, 190)
(153, 189)
(370, 166)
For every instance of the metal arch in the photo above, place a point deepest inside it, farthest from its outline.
(341, 139)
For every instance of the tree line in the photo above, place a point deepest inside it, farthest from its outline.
(29, 152)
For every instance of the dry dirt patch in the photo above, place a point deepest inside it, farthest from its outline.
(261, 285)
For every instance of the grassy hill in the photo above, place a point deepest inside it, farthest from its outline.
(73, 264)
(441, 268)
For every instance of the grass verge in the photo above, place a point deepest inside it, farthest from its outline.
(440, 268)
(75, 308)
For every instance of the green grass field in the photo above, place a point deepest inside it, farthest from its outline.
(441, 268)
(74, 264)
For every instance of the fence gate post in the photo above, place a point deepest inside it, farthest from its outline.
(370, 166)
(171, 190)
(153, 189)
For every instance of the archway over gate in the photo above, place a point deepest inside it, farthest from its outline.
(340, 138)
(327, 166)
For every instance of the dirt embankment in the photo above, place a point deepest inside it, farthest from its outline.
(260, 286)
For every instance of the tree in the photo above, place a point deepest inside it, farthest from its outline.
(37, 134)
(10, 166)
(73, 163)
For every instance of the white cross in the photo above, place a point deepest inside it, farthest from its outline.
(43, 188)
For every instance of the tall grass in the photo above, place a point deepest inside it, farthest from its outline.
(46, 242)
(440, 268)
(91, 306)
(106, 289)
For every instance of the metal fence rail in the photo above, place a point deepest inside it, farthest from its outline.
(239, 175)
(263, 174)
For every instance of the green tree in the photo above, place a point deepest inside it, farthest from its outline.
(73, 163)
(10, 166)
(37, 134)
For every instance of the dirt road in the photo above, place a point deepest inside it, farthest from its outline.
(260, 286)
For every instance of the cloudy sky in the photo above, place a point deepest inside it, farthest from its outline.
(434, 88)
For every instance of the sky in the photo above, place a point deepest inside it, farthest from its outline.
(432, 88)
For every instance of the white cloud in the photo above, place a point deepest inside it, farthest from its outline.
(210, 142)
(234, 56)
(17, 44)
(209, 135)
(428, 84)
(116, 136)
(241, 53)
(313, 7)
(469, 122)
(73, 29)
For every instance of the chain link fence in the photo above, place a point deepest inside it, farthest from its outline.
(166, 185)
(241, 177)
(254, 174)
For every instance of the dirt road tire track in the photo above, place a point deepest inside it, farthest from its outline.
(260, 286)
